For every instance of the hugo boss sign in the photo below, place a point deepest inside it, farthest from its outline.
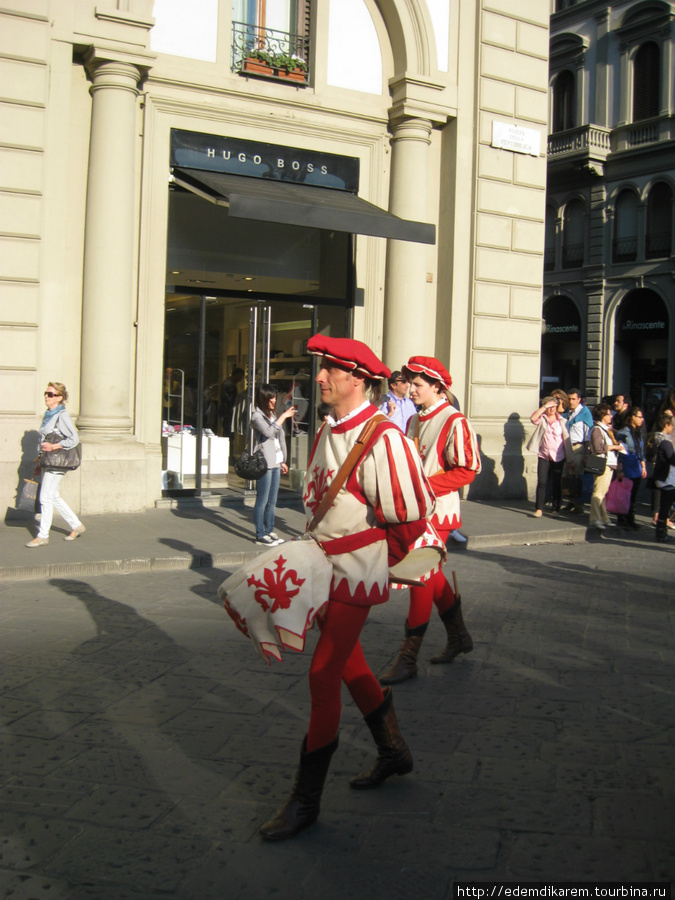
(192, 150)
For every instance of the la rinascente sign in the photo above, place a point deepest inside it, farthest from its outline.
(255, 159)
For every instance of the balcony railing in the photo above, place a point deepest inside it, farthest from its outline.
(573, 256)
(658, 245)
(624, 249)
(590, 141)
(549, 259)
(269, 53)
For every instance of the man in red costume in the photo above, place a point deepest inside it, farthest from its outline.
(450, 458)
(382, 505)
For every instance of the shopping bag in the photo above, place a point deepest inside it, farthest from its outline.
(28, 496)
(618, 496)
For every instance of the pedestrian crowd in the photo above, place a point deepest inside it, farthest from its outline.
(605, 451)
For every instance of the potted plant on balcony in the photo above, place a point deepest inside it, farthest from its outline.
(278, 65)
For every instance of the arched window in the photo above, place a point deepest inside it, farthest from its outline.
(647, 82)
(574, 228)
(549, 239)
(564, 105)
(625, 227)
(659, 221)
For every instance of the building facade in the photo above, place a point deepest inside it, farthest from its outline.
(608, 294)
(184, 196)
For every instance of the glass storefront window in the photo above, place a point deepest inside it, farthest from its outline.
(242, 300)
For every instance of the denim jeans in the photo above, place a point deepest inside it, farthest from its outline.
(267, 489)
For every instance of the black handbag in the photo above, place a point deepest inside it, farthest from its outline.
(251, 466)
(595, 465)
(59, 459)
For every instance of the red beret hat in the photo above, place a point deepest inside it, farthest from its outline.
(430, 366)
(348, 353)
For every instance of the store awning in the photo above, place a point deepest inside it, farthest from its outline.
(300, 204)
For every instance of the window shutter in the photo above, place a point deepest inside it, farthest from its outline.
(647, 82)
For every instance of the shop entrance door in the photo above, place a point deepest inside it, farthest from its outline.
(217, 351)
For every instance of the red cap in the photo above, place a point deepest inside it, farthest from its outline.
(350, 354)
(430, 366)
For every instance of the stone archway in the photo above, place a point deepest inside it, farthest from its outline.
(642, 326)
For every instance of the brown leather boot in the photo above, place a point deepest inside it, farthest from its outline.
(405, 664)
(302, 808)
(393, 755)
(459, 639)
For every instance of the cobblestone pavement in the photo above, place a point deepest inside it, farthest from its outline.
(144, 741)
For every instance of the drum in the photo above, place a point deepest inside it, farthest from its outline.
(425, 558)
(275, 598)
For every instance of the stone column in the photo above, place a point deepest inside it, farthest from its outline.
(108, 284)
(407, 330)
(594, 341)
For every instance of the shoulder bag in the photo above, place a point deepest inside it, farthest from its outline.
(61, 458)
(251, 466)
(594, 464)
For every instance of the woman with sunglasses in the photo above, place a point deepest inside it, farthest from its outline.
(56, 420)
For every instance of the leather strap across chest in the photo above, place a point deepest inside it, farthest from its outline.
(346, 469)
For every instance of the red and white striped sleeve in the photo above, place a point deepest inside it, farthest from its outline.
(461, 449)
(393, 482)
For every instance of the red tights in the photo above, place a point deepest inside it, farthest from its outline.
(338, 657)
(435, 592)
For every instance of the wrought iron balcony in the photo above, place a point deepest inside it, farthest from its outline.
(658, 245)
(269, 53)
(549, 259)
(624, 249)
(572, 256)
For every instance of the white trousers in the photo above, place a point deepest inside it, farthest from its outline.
(49, 500)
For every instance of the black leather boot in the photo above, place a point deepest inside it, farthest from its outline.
(393, 755)
(405, 664)
(302, 808)
(662, 530)
(459, 639)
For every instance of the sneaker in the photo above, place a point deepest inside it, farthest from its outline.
(599, 525)
(537, 514)
(610, 524)
(554, 513)
(458, 536)
(266, 541)
(275, 536)
(38, 542)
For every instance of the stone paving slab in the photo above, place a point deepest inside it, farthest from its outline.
(144, 742)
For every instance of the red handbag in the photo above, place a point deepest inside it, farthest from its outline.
(618, 496)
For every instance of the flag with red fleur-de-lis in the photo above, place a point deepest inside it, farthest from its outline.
(275, 599)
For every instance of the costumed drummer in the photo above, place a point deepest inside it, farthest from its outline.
(450, 458)
(381, 506)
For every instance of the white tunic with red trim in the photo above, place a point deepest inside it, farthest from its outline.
(446, 442)
(387, 488)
